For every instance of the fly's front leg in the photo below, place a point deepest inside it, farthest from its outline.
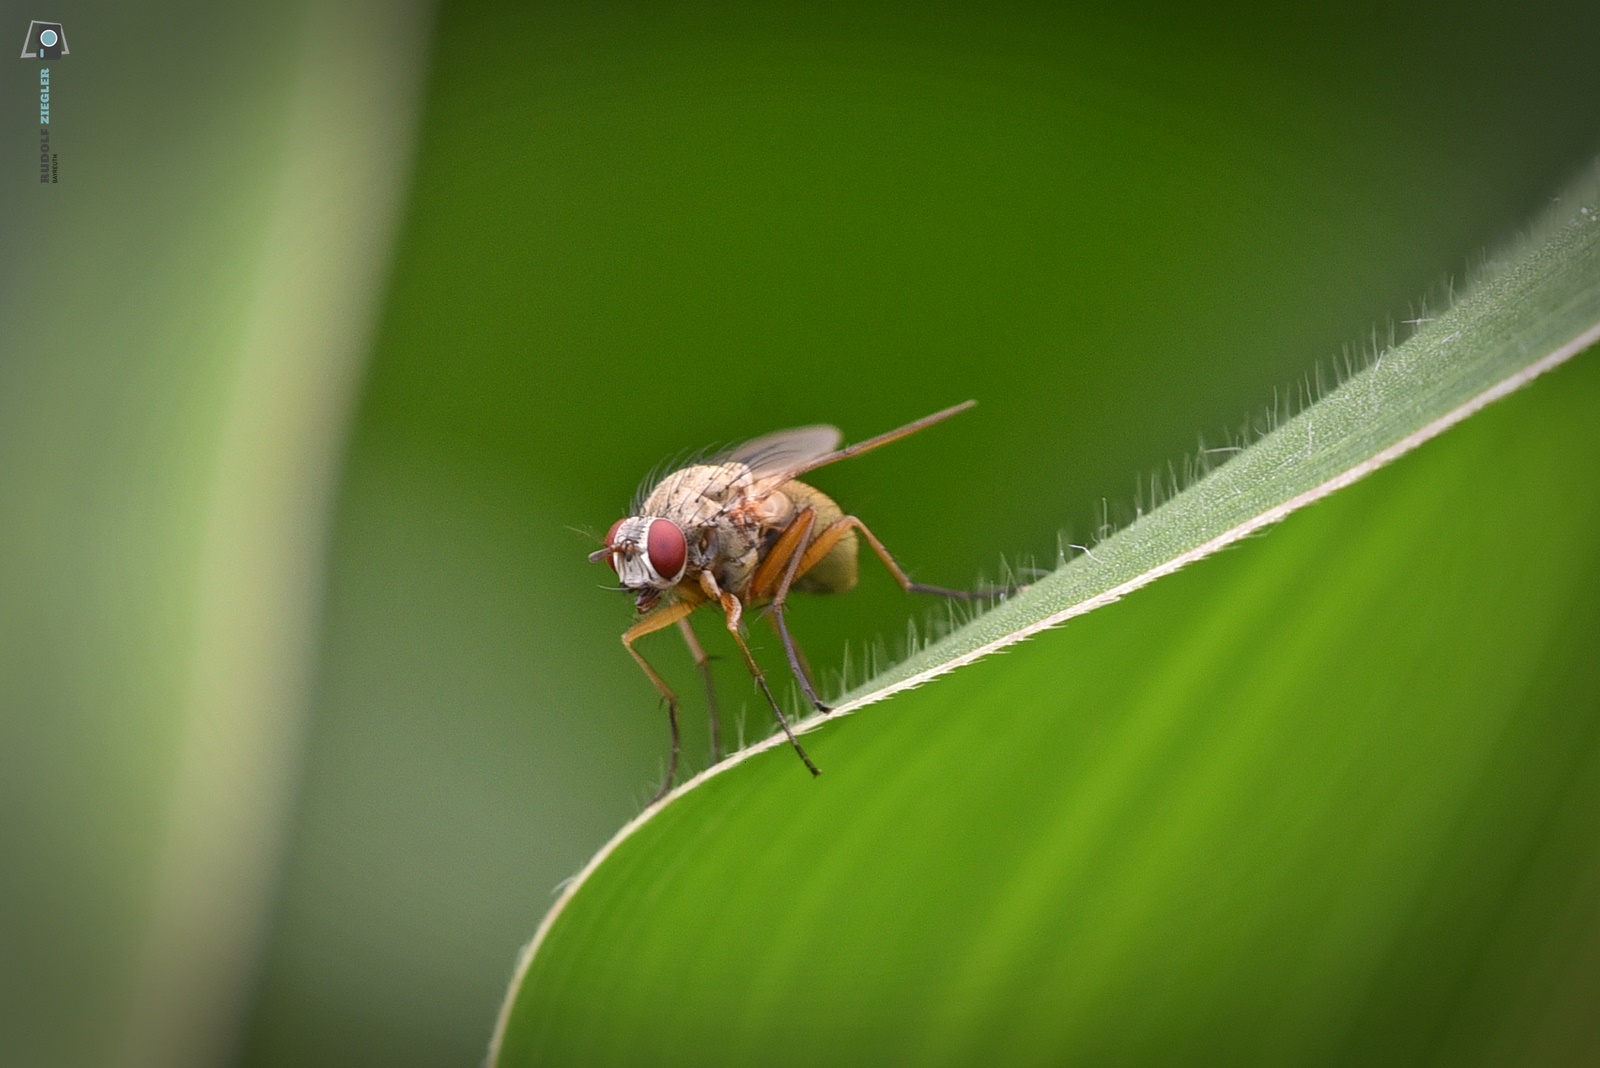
(786, 555)
(703, 662)
(733, 611)
(660, 618)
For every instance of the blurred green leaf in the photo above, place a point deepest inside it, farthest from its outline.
(184, 317)
(1343, 811)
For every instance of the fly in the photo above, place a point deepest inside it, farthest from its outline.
(740, 531)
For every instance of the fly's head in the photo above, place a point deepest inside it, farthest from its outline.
(648, 554)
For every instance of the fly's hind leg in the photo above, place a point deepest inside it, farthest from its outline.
(787, 554)
(838, 528)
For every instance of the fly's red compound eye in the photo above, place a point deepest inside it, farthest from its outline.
(611, 537)
(666, 549)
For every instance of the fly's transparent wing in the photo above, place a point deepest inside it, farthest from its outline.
(784, 450)
(775, 458)
(770, 458)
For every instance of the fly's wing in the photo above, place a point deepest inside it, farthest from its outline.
(770, 458)
(775, 458)
(785, 450)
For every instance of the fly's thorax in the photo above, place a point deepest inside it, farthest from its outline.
(745, 533)
(694, 495)
(731, 543)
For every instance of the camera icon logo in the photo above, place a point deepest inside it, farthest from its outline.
(45, 40)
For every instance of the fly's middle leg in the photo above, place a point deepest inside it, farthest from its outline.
(793, 538)
(703, 662)
(733, 612)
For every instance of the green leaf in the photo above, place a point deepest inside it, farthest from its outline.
(1330, 797)
(183, 322)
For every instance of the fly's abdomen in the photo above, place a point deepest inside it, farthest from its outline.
(835, 572)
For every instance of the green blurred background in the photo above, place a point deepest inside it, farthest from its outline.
(349, 328)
